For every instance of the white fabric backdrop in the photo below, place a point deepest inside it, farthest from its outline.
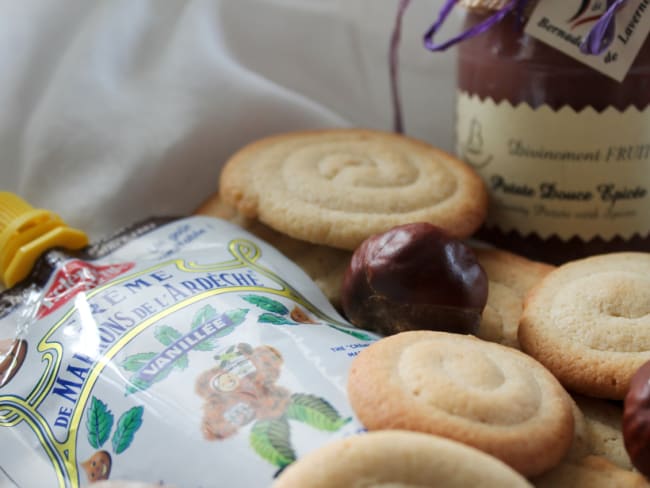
(115, 110)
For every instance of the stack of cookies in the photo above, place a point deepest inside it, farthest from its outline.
(535, 399)
(316, 196)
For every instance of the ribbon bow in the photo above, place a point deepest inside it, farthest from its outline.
(602, 33)
(595, 42)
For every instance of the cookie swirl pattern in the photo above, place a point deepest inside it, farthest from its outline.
(483, 394)
(589, 322)
(338, 187)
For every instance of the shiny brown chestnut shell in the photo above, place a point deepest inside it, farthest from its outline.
(636, 420)
(414, 276)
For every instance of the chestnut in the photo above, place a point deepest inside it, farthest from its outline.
(636, 419)
(414, 276)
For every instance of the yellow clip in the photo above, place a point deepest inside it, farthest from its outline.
(26, 233)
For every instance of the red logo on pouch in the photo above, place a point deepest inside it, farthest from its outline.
(77, 276)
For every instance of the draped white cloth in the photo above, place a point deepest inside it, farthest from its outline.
(115, 110)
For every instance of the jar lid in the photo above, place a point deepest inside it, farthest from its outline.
(483, 5)
(27, 232)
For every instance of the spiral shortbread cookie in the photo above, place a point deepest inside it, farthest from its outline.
(510, 277)
(588, 322)
(338, 187)
(325, 265)
(398, 458)
(489, 396)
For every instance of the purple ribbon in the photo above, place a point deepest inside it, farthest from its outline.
(479, 28)
(429, 44)
(602, 33)
(596, 42)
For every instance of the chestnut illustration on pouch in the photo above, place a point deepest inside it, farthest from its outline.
(636, 420)
(414, 276)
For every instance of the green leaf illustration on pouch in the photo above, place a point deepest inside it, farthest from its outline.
(316, 412)
(267, 304)
(269, 318)
(182, 362)
(127, 426)
(138, 384)
(277, 310)
(206, 314)
(166, 334)
(136, 361)
(236, 315)
(99, 422)
(271, 440)
(362, 336)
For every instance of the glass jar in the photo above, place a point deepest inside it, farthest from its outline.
(564, 149)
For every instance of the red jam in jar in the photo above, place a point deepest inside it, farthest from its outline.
(564, 149)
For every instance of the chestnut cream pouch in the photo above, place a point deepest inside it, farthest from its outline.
(187, 353)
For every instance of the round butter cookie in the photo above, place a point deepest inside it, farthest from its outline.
(588, 322)
(580, 445)
(489, 396)
(510, 277)
(590, 472)
(338, 187)
(398, 459)
(325, 265)
(597, 456)
(128, 484)
(603, 427)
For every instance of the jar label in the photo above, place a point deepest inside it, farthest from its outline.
(564, 24)
(565, 173)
